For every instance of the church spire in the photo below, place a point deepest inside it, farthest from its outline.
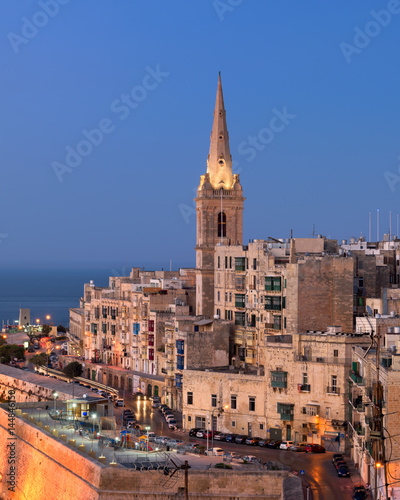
(219, 163)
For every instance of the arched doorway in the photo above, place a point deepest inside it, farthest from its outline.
(156, 390)
(149, 390)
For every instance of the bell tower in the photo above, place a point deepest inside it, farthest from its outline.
(219, 206)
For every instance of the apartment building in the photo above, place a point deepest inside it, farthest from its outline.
(374, 424)
(281, 288)
(298, 395)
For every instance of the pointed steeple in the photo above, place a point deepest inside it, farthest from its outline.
(219, 162)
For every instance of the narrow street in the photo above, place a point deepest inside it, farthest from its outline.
(318, 469)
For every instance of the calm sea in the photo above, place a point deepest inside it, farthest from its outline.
(44, 292)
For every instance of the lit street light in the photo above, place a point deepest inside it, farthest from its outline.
(147, 440)
(55, 395)
(94, 415)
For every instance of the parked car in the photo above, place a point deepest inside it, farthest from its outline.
(168, 416)
(193, 432)
(274, 443)
(315, 448)
(119, 402)
(360, 493)
(241, 439)
(172, 424)
(230, 438)
(298, 447)
(161, 439)
(263, 442)
(253, 441)
(201, 433)
(285, 445)
(217, 452)
(340, 463)
(221, 436)
(343, 471)
(337, 456)
(232, 455)
(251, 459)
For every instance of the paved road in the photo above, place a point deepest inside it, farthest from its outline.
(319, 471)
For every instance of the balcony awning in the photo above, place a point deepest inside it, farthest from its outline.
(203, 322)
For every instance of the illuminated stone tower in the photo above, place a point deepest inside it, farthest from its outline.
(219, 206)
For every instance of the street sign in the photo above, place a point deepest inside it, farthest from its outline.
(302, 472)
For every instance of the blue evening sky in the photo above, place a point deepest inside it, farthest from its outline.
(129, 201)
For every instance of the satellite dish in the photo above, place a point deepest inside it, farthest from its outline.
(369, 311)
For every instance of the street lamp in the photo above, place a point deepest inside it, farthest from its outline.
(55, 395)
(147, 440)
(94, 415)
(73, 409)
(48, 317)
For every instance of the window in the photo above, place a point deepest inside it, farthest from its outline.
(180, 346)
(240, 299)
(361, 282)
(252, 403)
(311, 411)
(200, 422)
(273, 283)
(93, 328)
(221, 224)
(112, 329)
(286, 411)
(190, 398)
(151, 325)
(305, 378)
(189, 418)
(104, 327)
(219, 261)
(136, 328)
(230, 297)
(233, 424)
(279, 379)
(180, 362)
(261, 427)
(335, 353)
(226, 262)
(178, 381)
(233, 402)
(240, 264)
(218, 296)
(277, 322)
(214, 400)
(327, 413)
(230, 262)
(219, 313)
(240, 318)
(360, 264)
(226, 296)
(254, 264)
(273, 303)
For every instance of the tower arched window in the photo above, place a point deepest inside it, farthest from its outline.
(221, 225)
